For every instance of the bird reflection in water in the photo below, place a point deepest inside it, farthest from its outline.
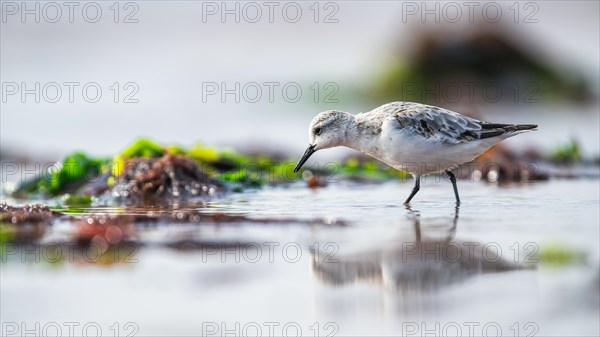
(426, 263)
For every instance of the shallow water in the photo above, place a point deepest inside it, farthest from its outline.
(389, 270)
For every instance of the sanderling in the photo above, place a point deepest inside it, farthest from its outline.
(411, 137)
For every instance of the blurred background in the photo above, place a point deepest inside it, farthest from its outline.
(250, 76)
(528, 63)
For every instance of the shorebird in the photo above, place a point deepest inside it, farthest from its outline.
(411, 137)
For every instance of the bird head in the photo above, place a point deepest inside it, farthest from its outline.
(327, 129)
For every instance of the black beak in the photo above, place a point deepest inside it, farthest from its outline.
(305, 156)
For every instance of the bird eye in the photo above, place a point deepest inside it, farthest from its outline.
(318, 131)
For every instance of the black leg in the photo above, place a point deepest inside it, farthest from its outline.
(453, 180)
(415, 190)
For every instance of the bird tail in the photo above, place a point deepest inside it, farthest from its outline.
(526, 127)
(489, 130)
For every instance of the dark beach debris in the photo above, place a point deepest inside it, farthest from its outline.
(119, 234)
(136, 170)
(149, 218)
(168, 178)
(501, 165)
(443, 59)
(192, 216)
(106, 239)
(125, 218)
(113, 230)
(27, 223)
(99, 240)
(232, 170)
(104, 231)
(95, 187)
(314, 180)
(26, 214)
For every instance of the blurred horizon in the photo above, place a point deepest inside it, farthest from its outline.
(172, 65)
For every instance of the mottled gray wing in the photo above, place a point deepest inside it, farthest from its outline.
(446, 126)
(437, 124)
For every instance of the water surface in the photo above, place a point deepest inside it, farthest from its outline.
(371, 267)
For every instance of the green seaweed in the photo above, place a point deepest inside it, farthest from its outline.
(77, 200)
(284, 171)
(243, 178)
(142, 148)
(75, 170)
(175, 150)
(556, 254)
(203, 153)
(7, 233)
(353, 168)
(239, 171)
(567, 153)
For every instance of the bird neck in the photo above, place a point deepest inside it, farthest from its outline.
(358, 135)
